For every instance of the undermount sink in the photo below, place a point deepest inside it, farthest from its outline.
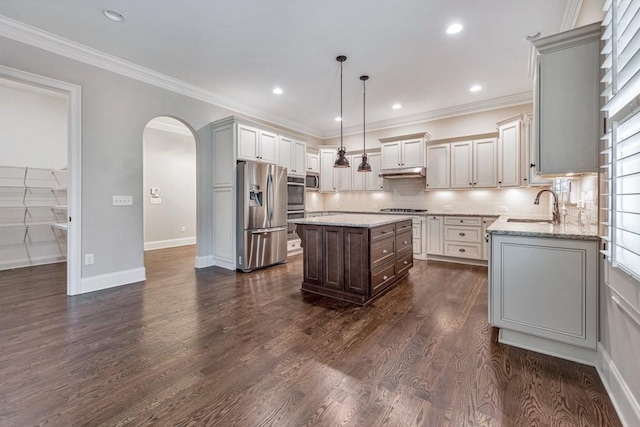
(530, 221)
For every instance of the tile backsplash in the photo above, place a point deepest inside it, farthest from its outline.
(410, 193)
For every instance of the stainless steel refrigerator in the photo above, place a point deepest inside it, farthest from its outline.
(262, 215)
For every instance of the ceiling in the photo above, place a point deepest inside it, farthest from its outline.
(239, 51)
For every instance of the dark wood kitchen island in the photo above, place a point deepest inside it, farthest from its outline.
(354, 257)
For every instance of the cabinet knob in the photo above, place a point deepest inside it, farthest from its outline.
(406, 262)
(383, 232)
(405, 242)
(461, 250)
(461, 220)
(470, 184)
(532, 165)
(461, 234)
(384, 251)
(499, 182)
(384, 277)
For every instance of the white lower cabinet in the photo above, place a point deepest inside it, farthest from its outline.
(486, 223)
(463, 237)
(435, 238)
(419, 237)
(543, 294)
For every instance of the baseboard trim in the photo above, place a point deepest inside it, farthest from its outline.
(204, 261)
(224, 264)
(171, 243)
(626, 405)
(32, 262)
(583, 355)
(112, 280)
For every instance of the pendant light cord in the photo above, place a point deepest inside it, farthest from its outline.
(341, 118)
(364, 121)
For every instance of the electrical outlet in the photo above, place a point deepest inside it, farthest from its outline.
(155, 200)
(503, 208)
(88, 259)
(447, 207)
(183, 229)
(122, 200)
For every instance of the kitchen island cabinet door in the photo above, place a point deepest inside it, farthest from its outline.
(333, 250)
(311, 240)
(356, 260)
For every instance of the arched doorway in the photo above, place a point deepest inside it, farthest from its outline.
(169, 182)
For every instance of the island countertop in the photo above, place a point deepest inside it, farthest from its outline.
(350, 220)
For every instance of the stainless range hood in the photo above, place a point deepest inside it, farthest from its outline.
(418, 172)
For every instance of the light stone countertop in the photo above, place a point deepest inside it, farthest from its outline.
(475, 214)
(537, 229)
(350, 220)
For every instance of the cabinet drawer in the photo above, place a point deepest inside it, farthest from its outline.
(383, 231)
(383, 251)
(404, 240)
(463, 250)
(403, 264)
(462, 220)
(293, 246)
(462, 234)
(404, 226)
(382, 277)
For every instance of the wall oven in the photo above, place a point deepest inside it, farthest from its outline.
(295, 194)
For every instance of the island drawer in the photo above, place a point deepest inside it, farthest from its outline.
(404, 263)
(383, 231)
(462, 234)
(404, 240)
(383, 251)
(463, 250)
(404, 226)
(462, 220)
(383, 276)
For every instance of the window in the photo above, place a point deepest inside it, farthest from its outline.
(620, 184)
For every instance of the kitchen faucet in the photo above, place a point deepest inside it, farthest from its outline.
(556, 211)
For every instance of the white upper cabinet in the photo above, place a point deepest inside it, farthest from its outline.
(392, 155)
(567, 98)
(474, 164)
(509, 145)
(438, 170)
(358, 179)
(403, 154)
(292, 156)
(373, 180)
(327, 159)
(313, 163)
(257, 145)
(530, 153)
(413, 153)
(342, 176)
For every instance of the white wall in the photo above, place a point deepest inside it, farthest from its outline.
(33, 126)
(170, 165)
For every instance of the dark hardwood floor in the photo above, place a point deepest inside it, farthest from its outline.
(214, 347)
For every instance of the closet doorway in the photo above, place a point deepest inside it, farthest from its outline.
(169, 181)
(39, 176)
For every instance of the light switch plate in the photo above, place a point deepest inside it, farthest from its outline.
(88, 259)
(122, 200)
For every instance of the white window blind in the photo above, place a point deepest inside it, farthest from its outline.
(620, 183)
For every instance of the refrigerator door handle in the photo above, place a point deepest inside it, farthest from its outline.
(268, 230)
(270, 198)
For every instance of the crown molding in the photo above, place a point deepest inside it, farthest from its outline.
(443, 113)
(570, 16)
(36, 37)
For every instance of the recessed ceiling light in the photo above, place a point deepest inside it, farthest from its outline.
(475, 88)
(454, 28)
(338, 119)
(396, 106)
(277, 91)
(113, 15)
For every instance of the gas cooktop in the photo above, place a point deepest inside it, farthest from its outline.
(403, 210)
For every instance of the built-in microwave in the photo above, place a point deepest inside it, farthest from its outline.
(295, 194)
(312, 182)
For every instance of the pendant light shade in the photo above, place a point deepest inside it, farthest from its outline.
(364, 165)
(341, 161)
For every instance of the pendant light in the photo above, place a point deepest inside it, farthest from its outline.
(364, 165)
(341, 161)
